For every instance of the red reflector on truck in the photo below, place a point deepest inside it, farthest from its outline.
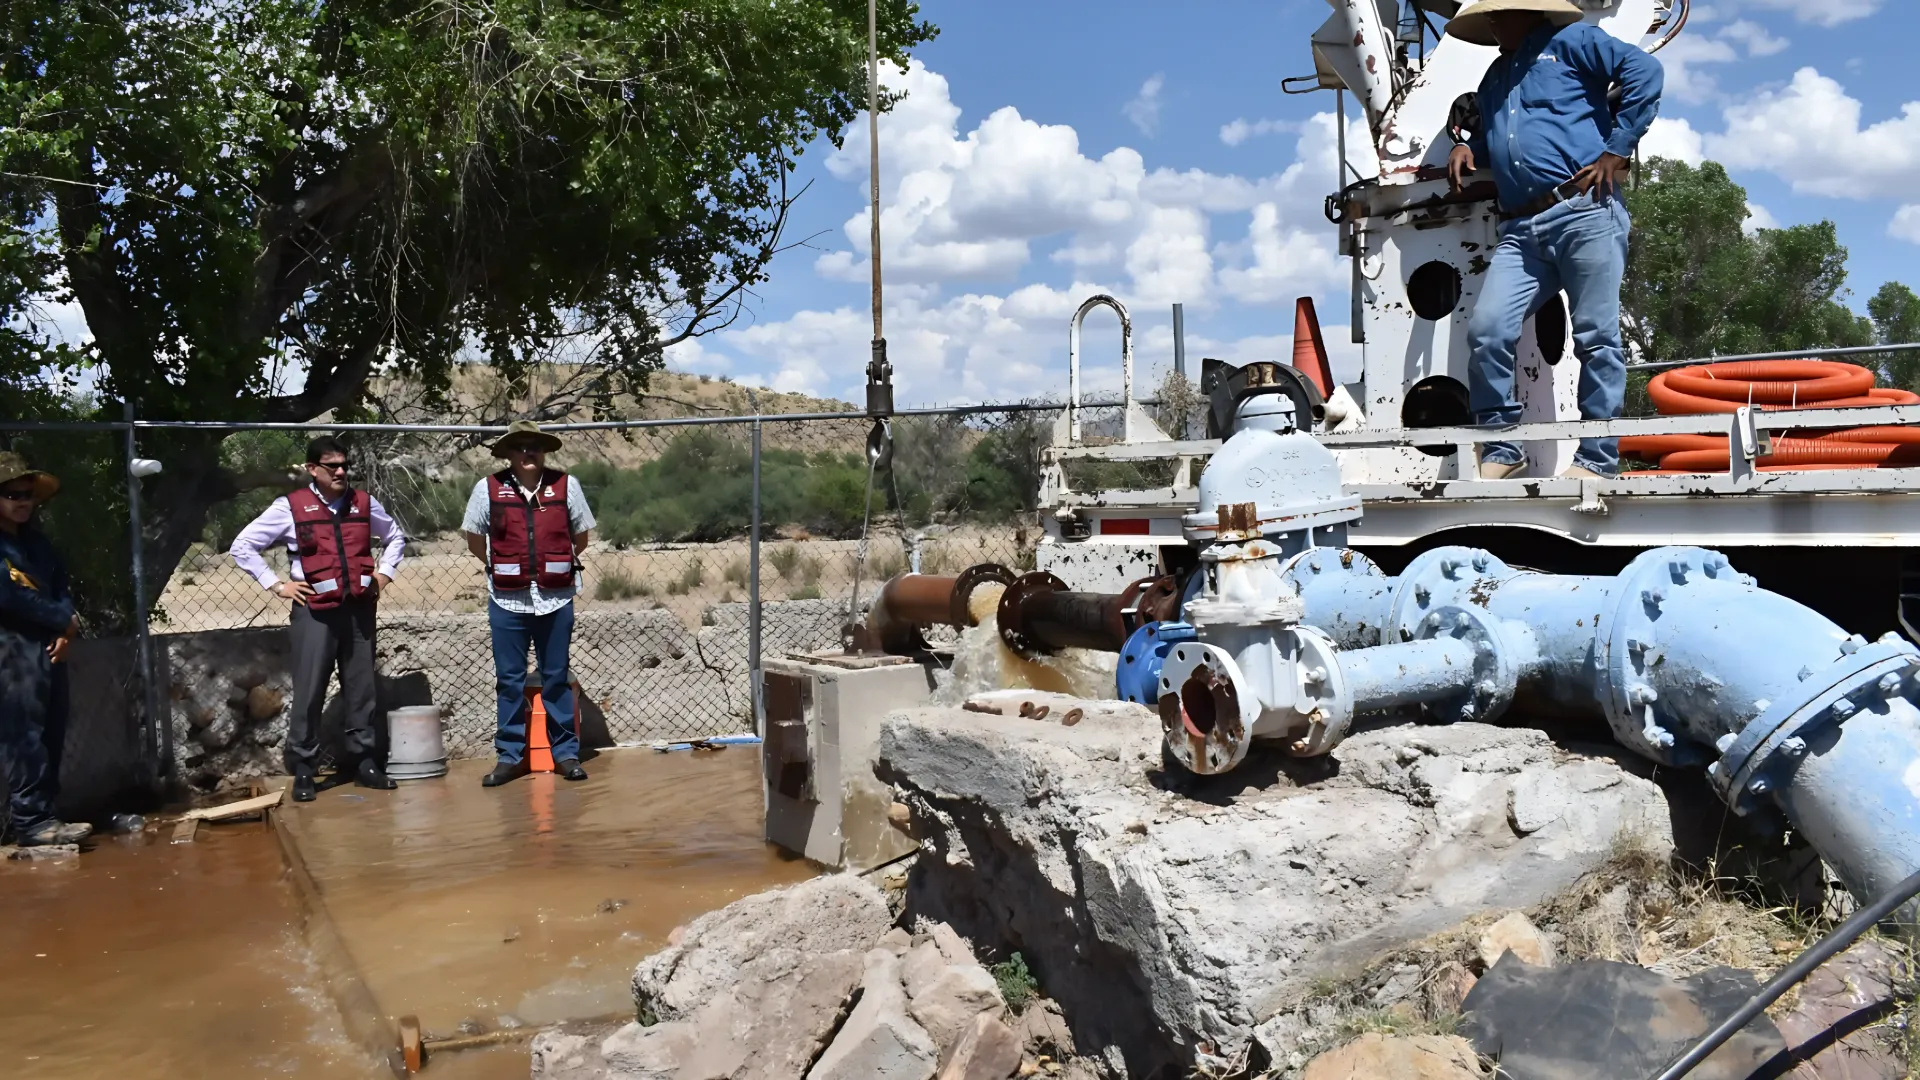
(1125, 526)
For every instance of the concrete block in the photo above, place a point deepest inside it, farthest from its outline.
(1165, 920)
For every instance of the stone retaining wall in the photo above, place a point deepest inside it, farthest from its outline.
(645, 677)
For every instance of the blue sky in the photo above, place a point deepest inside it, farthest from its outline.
(1052, 147)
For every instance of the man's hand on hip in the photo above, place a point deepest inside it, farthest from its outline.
(1459, 164)
(296, 591)
(380, 583)
(1602, 177)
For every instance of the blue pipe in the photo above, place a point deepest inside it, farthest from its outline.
(1688, 661)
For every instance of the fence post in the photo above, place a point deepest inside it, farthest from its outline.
(159, 734)
(754, 677)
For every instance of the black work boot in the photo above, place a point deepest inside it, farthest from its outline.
(303, 789)
(506, 772)
(569, 769)
(370, 775)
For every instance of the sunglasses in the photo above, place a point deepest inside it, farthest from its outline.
(16, 494)
(331, 466)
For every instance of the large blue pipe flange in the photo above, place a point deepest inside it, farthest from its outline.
(1301, 569)
(1495, 675)
(1346, 593)
(1441, 578)
(1761, 757)
(1138, 676)
(1626, 646)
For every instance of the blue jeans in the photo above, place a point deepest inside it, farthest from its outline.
(550, 635)
(1579, 245)
(33, 727)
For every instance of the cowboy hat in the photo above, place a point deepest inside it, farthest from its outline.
(525, 432)
(1475, 25)
(13, 467)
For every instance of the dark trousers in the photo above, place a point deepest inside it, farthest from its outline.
(323, 640)
(550, 635)
(33, 727)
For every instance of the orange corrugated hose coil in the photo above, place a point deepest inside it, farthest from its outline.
(1774, 385)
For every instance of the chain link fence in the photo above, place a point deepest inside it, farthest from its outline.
(665, 614)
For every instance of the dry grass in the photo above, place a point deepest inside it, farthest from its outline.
(1637, 909)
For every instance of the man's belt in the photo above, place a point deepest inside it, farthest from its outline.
(1554, 197)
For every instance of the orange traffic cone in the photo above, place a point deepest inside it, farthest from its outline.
(1309, 349)
(539, 744)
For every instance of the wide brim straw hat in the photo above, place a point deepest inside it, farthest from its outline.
(13, 467)
(526, 433)
(1475, 25)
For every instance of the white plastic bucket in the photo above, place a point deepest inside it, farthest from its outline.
(418, 744)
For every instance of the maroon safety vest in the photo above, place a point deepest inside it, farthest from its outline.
(529, 543)
(336, 550)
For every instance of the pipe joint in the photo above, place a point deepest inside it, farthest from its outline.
(1627, 650)
(1761, 757)
(1444, 578)
(1495, 674)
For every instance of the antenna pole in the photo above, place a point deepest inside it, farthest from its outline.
(879, 370)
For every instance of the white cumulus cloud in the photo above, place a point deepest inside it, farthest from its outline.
(1810, 133)
(1672, 138)
(1238, 131)
(1822, 12)
(1906, 224)
(972, 215)
(1144, 110)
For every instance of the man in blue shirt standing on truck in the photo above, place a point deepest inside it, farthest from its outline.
(1558, 149)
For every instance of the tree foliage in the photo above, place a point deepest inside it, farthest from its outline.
(1698, 285)
(260, 205)
(1896, 321)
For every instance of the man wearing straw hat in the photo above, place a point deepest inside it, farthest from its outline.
(1558, 151)
(528, 525)
(37, 624)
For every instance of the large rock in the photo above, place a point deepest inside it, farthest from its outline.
(879, 1041)
(946, 1007)
(774, 1020)
(834, 913)
(1381, 1057)
(1169, 925)
(989, 1050)
(630, 1053)
(1516, 934)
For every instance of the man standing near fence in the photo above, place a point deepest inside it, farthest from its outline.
(335, 578)
(37, 624)
(528, 525)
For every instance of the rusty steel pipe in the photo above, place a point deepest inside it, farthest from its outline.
(1040, 616)
(909, 602)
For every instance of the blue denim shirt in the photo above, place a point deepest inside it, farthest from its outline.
(1544, 113)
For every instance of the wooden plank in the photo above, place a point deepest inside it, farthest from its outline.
(235, 809)
(186, 830)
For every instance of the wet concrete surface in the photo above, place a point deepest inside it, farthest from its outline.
(458, 904)
(472, 908)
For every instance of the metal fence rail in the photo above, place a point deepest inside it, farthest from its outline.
(719, 539)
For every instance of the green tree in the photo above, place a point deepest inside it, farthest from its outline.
(1697, 285)
(1896, 321)
(334, 191)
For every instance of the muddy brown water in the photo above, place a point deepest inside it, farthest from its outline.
(463, 906)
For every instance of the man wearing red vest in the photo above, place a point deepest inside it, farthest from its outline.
(329, 531)
(528, 524)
